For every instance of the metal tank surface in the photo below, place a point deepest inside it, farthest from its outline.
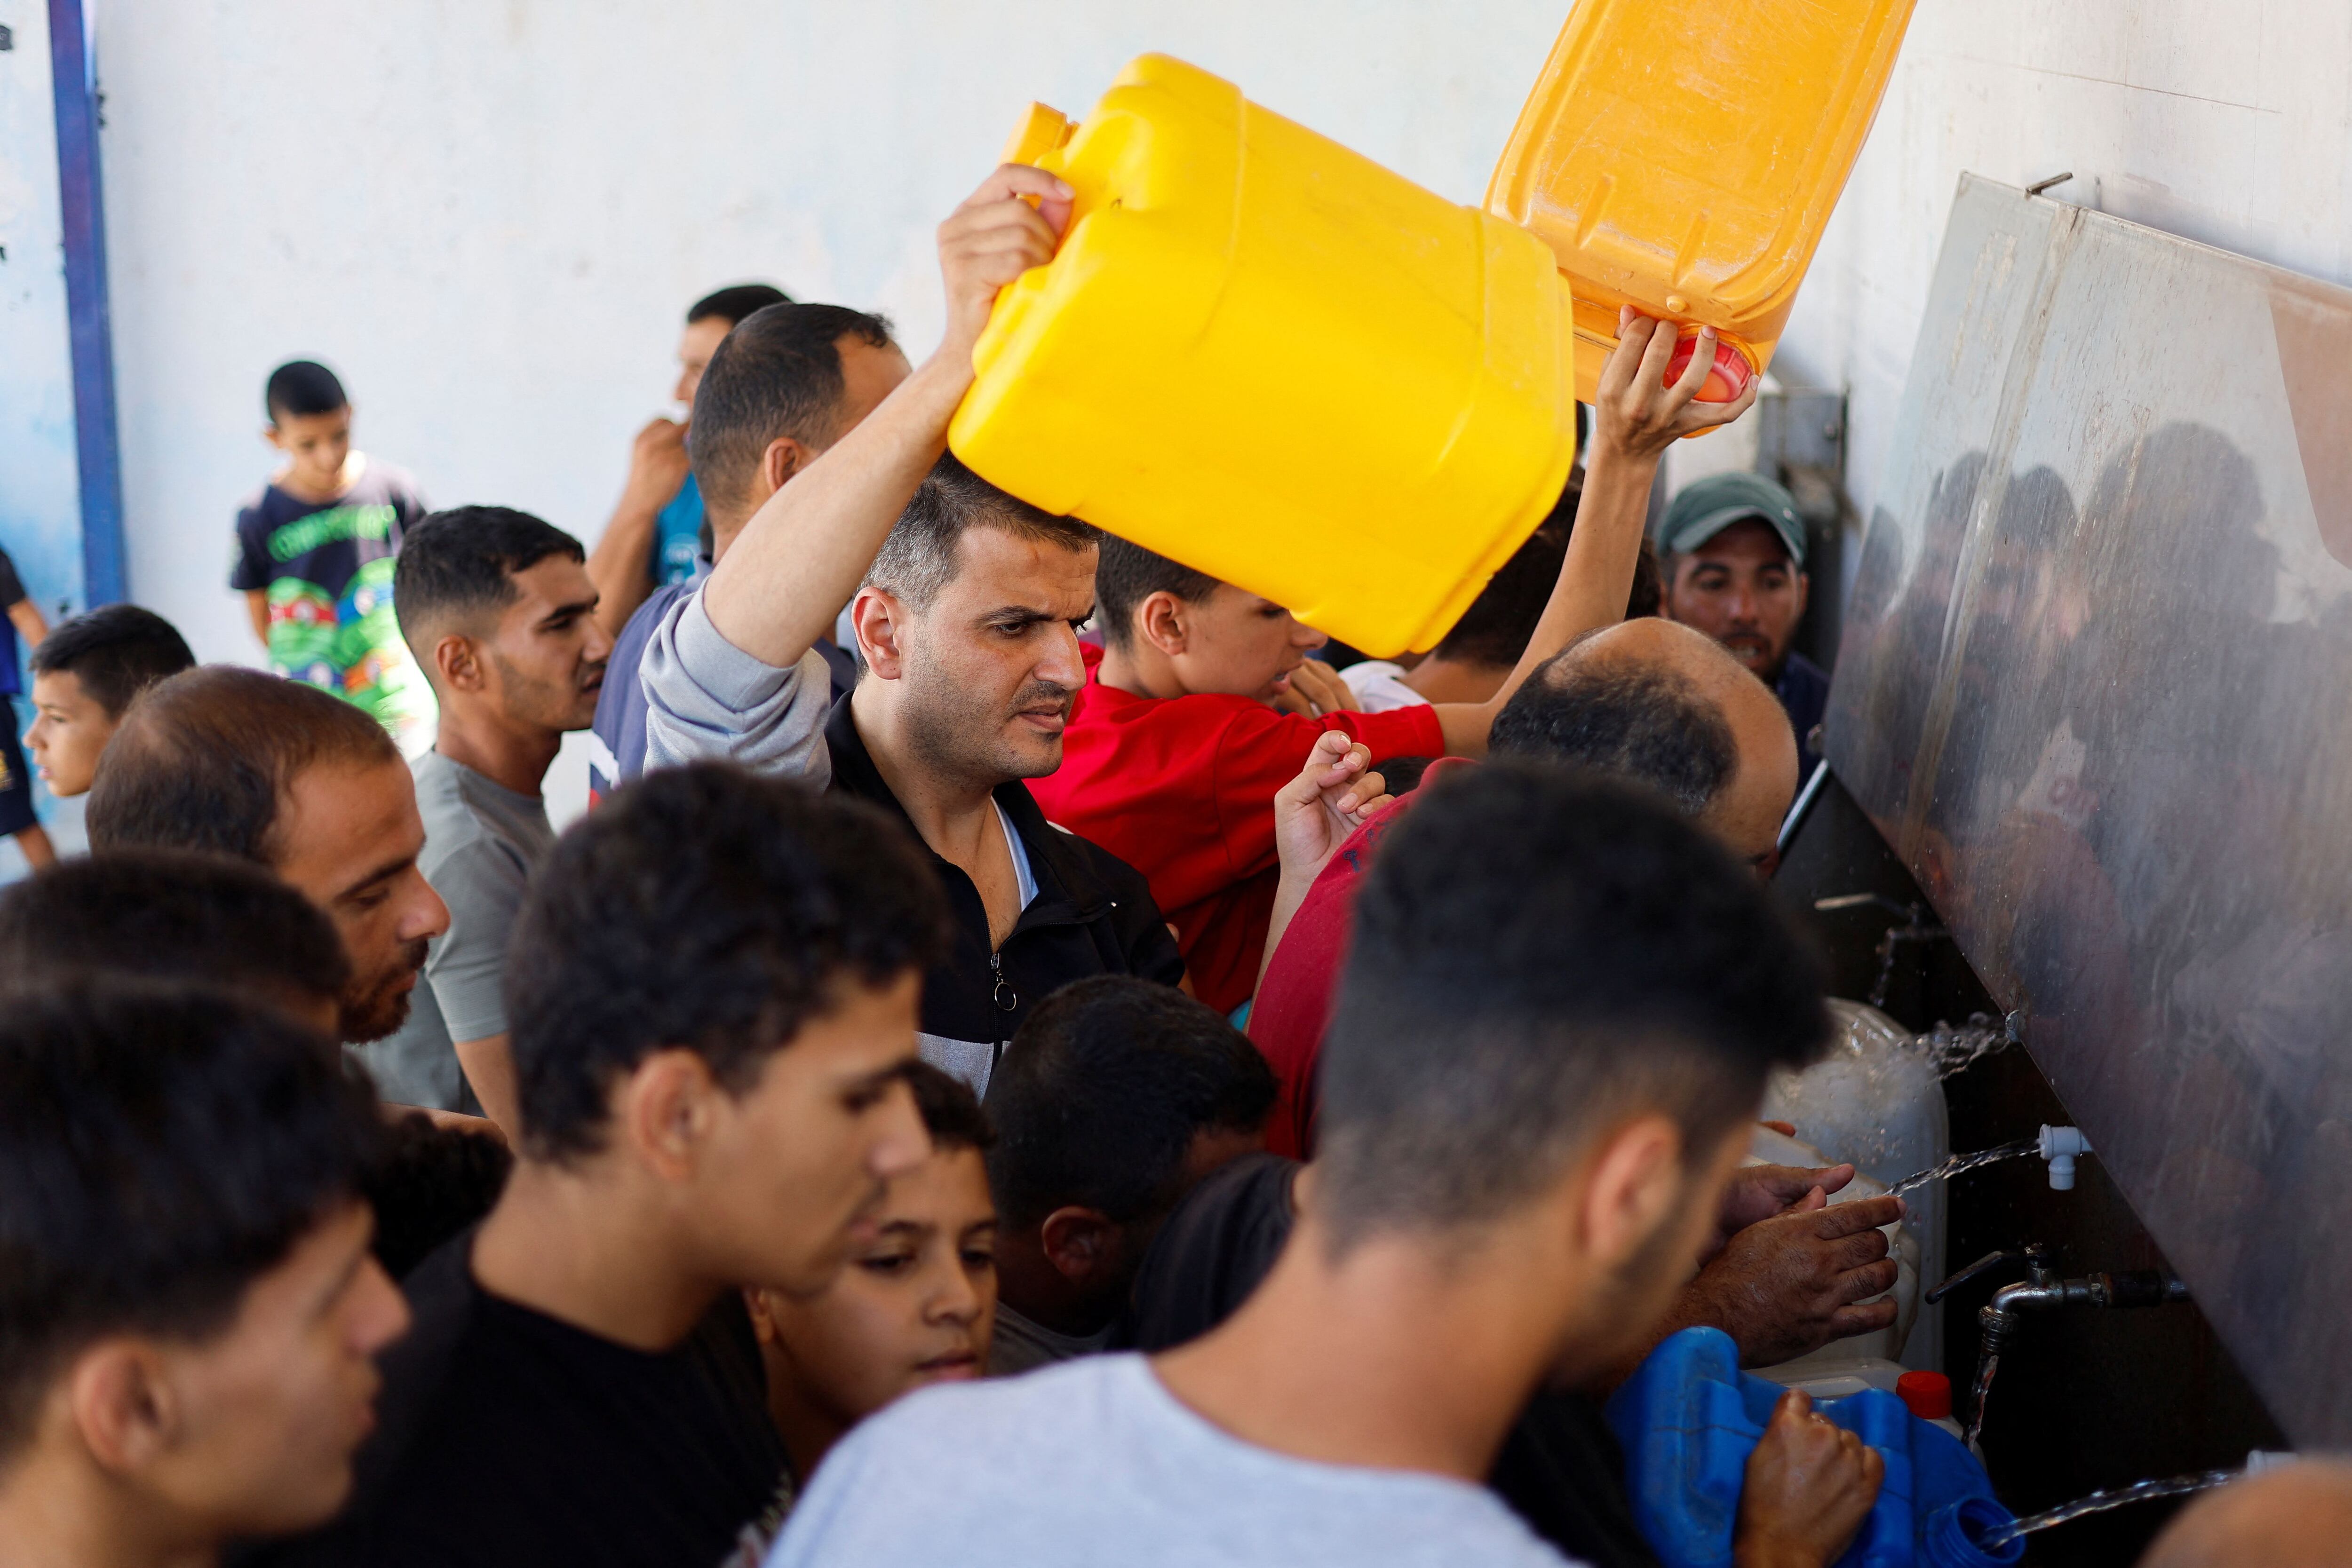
(2096, 687)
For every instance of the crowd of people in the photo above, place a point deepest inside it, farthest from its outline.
(1282, 1100)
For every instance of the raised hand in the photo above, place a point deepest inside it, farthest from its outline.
(1636, 414)
(991, 239)
(1333, 796)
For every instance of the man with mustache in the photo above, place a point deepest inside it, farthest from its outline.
(227, 760)
(966, 612)
(1733, 552)
(500, 611)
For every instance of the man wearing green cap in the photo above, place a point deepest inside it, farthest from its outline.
(1733, 556)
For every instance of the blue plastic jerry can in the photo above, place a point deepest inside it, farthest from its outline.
(1689, 1418)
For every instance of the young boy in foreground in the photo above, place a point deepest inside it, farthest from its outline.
(916, 1305)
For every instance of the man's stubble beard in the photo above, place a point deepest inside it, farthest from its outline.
(960, 736)
(380, 1010)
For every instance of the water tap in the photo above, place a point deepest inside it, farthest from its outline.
(2043, 1290)
(2060, 1145)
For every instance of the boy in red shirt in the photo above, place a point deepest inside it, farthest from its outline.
(1202, 703)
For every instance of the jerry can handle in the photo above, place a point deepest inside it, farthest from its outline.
(1042, 130)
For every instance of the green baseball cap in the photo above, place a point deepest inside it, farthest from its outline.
(1705, 507)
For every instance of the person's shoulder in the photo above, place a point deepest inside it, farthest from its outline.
(1799, 672)
(394, 483)
(1041, 1414)
(451, 821)
(639, 629)
(263, 506)
(457, 828)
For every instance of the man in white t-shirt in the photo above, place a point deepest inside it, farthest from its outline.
(1552, 1039)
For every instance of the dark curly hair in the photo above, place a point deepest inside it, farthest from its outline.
(702, 907)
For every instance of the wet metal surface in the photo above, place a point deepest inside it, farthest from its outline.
(2096, 686)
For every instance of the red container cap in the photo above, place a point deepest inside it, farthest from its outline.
(1927, 1395)
(1726, 379)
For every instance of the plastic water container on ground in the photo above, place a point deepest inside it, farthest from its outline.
(1684, 159)
(1270, 358)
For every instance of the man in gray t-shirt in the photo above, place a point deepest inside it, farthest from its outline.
(496, 606)
(481, 842)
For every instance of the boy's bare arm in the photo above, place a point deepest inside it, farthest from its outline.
(621, 564)
(1637, 416)
(25, 616)
(807, 548)
(256, 606)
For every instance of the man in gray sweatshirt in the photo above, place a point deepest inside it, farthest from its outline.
(966, 608)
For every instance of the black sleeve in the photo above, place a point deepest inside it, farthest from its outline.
(1144, 939)
(252, 567)
(12, 587)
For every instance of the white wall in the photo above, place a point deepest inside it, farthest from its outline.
(487, 214)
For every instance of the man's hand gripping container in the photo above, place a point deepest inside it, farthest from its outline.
(1270, 358)
(1682, 157)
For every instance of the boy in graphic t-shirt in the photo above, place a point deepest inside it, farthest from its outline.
(314, 553)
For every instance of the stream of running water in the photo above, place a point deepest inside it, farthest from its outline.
(2100, 1501)
(1959, 1163)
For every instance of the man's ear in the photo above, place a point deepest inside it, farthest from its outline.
(122, 1403)
(665, 1111)
(1635, 1180)
(1165, 622)
(1082, 1244)
(783, 458)
(880, 623)
(457, 663)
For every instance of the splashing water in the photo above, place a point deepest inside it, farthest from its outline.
(1956, 1048)
(2100, 1501)
(1960, 1162)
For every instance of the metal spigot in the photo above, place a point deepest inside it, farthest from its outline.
(2043, 1290)
(1915, 929)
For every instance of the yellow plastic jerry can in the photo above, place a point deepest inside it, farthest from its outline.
(1275, 362)
(1682, 156)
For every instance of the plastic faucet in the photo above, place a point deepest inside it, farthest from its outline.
(2060, 1145)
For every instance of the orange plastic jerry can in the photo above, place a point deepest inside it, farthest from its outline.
(1682, 156)
(1268, 358)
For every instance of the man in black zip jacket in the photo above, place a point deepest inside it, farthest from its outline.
(966, 614)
